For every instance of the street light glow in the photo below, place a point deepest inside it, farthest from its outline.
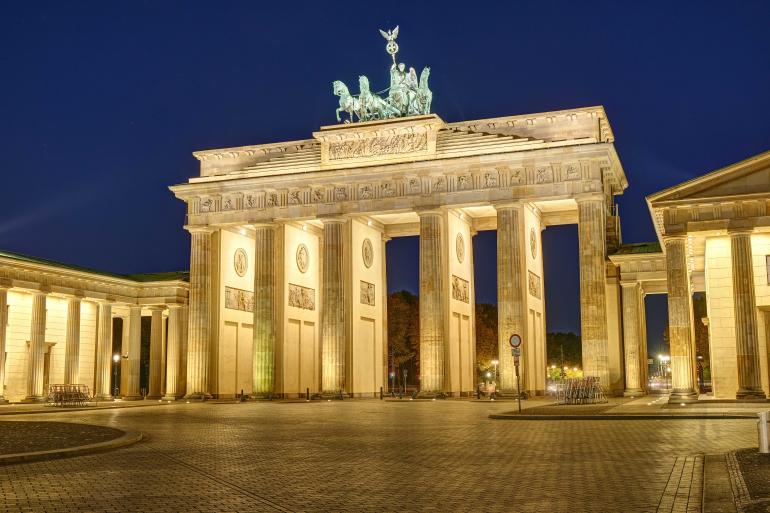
(116, 358)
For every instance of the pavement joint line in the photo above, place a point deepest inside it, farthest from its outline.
(128, 438)
(80, 409)
(244, 491)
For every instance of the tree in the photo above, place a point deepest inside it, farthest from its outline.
(571, 346)
(404, 333)
(486, 335)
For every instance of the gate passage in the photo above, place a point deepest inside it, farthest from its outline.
(586, 390)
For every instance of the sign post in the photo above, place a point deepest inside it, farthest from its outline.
(515, 342)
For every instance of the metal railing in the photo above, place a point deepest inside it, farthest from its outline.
(68, 395)
(586, 390)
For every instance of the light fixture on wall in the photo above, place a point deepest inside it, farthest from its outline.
(304, 227)
(242, 231)
(369, 222)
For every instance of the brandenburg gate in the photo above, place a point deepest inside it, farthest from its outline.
(288, 276)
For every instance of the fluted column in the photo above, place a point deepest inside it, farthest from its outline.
(510, 291)
(198, 341)
(35, 392)
(182, 374)
(333, 332)
(104, 352)
(173, 345)
(744, 302)
(632, 339)
(593, 293)
(72, 342)
(3, 324)
(131, 365)
(433, 297)
(679, 325)
(156, 356)
(263, 349)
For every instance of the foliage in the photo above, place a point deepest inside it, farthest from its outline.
(486, 335)
(404, 334)
(570, 344)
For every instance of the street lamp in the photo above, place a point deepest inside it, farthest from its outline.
(115, 360)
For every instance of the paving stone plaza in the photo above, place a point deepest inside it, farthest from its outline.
(370, 455)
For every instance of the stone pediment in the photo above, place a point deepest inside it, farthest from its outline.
(748, 177)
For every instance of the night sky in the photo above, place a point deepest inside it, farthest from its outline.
(102, 103)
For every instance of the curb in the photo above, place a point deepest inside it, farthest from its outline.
(55, 409)
(620, 416)
(128, 438)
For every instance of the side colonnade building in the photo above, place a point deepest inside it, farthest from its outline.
(56, 327)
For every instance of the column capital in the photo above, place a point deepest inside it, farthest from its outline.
(589, 196)
(332, 219)
(517, 204)
(629, 284)
(77, 295)
(156, 308)
(199, 229)
(266, 224)
(429, 211)
(6, 283)
(175, 306)
(674, 237)
(735, 231)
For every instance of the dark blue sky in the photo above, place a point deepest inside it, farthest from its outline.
(101, 104)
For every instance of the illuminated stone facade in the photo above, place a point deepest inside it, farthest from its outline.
(332, 202)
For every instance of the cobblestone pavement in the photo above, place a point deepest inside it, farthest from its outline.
(15, 435)
(375, 456)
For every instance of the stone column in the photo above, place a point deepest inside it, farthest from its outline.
(593, 292)
(632, 339)
(35, 392)
(124, 345)
(263, 349)
(173, 345)
(3, 325)
(679, 320)
(72, 342)
(133, 362)
(182, 375)
(333, 329)
(199, 342)
(510, 291)
(156, 349)
(104, 353)
(745, 305)
(433, 292)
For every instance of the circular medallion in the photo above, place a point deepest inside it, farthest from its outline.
(367, 253)
(533, 242)
(460, 247)
(240, 262)
(303, 258)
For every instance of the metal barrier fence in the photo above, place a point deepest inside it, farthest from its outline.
(68, 395)
(587, 390)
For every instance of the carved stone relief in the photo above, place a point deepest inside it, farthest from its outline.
(413, 185)
(340, 194)
(439, 184)
(301, 297)
(534, 284)
(460, 289)
(490, 179)
(533, 242)
(572, 171)
(238, 299)
(378, 146)
(318, 195)
(228, 204)
(464, 182)
(294, 198)
(367, 253)
(303, 258)
(207, 205)
(271, 199)
(251, 201)
(517, 177)
(544, 175)
(367, 293)
(460, 247)
(365, 192)
(388, 191)
(240, 262)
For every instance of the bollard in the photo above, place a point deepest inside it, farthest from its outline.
(764, 432)
(307, 394)
(380, 393)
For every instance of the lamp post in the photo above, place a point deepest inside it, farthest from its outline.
(115, 360)
(495, 362)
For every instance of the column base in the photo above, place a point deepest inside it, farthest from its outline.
(33, 399)
(337, 396)
(3, 400)
(633, 392)
(171, 398)
(683, 396)
(104, 398)
(750, 395)
(132, 397)
(262, 396)
(430, 395)
(197, 396)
